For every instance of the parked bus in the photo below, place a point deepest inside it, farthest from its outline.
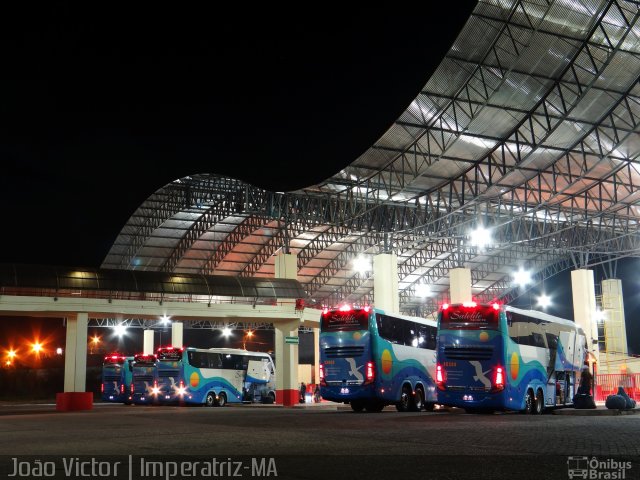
(214, 376)
(495, 357)
(116, 378)
(144, 384)
(370, 359)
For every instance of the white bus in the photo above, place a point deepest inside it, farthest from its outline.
(214, 376)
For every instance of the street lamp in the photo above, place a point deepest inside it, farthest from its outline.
(247, 335)
(522, 277)
(36, 348)
(480, 237)
(544, 300)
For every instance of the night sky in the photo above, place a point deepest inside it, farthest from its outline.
(103, 105)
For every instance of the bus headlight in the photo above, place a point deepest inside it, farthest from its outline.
(182, 391)
(155, 390)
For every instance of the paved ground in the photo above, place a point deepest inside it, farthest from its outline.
(448, 444)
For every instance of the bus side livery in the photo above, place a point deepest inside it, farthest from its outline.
(144, 384)
(493, 357)
(116, 378)
(370, 359)
(214, 376)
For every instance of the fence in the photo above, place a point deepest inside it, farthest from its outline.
(607, 384)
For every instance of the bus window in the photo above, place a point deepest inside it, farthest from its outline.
(390, 329)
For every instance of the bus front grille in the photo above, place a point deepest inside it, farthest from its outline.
(111, 378)
(343, 352)
(168, 373)
(143, 378)
(468, 353)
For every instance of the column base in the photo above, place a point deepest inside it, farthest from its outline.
(72, 401)
(288, 397)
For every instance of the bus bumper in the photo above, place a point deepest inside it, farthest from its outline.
(347, 393)
(472, 400)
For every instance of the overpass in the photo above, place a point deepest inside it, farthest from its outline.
(81, 294)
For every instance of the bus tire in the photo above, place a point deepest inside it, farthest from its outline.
(210, 401)
(405, 399)
(539, 406)
(222, 400)
(429, 407)
(357, 405)
(529, 402)
(270, 398)
(418, 400)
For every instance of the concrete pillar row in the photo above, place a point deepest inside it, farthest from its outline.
(286, 347)
(385, 282)
(147, 346)
(460, 285)
(286, 340)
(584, 306)
(74, 396)
(176, 334)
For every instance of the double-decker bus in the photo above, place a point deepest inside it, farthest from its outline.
(144, 383)
(370, 359)
(214, 376)
(497, 357)
(116, 378)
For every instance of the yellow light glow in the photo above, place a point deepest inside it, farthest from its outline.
(37, 347)
(11, 354)
(95, 340)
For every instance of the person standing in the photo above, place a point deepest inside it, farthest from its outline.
(303, 392)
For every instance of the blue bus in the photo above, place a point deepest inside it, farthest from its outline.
(116, 378)
(214, 376)
(497, 357)
(370, 359)
(144, 384)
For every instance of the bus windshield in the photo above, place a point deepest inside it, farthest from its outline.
(481, 317)
(341, 321)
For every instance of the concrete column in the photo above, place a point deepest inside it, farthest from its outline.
(147, 346)
(584, 306)
(286, 266)
(74, 396)
(316, 355)
(176, 334)
(615, 326)
(286, 347)
(385, 282)
(75, 360)
(460, 285)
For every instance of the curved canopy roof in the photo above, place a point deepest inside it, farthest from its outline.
(528, 128)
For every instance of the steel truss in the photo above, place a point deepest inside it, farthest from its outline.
(558, 186)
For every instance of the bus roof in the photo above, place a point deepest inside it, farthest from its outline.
(424, 321)
(236, 351)
(542, 316)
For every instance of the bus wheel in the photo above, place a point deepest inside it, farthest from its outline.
(539, 407)
(210, 401)
(405, 399)
(418, 400)
(357, 405)
(271, 398)
(222, 399)
(429, 407)
(529, 402)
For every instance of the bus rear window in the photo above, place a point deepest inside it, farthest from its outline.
(469, 318)
(338, 321)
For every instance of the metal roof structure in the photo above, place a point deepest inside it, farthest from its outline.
(528, 128)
